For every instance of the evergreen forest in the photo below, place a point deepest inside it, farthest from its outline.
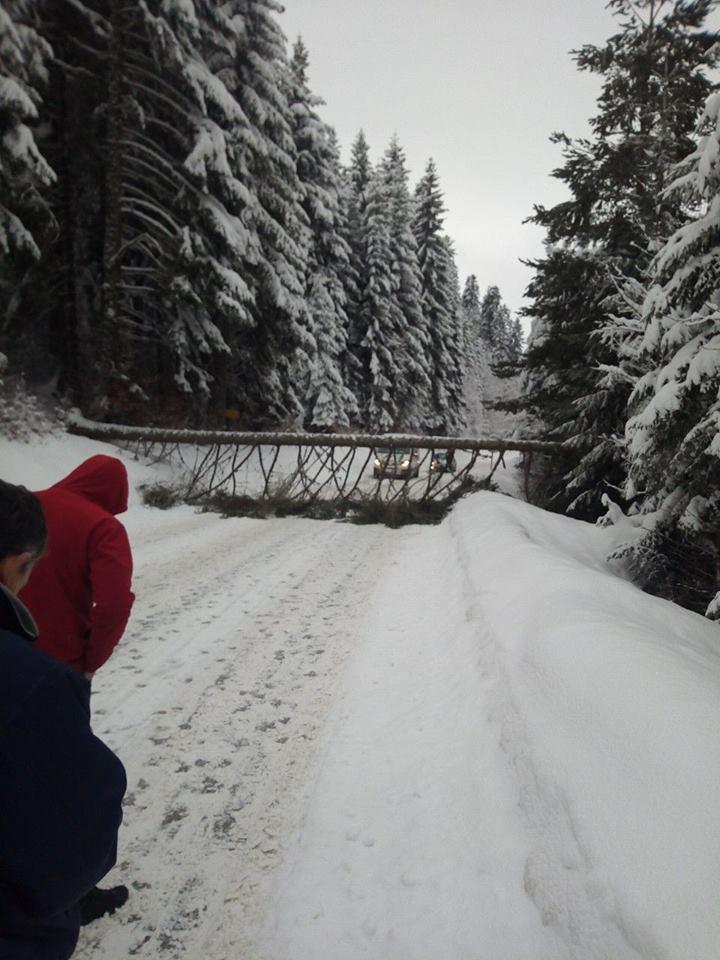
(181, 243)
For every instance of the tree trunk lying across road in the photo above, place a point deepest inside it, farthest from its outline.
(115, 431)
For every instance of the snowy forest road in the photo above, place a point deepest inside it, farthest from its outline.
(214, 700)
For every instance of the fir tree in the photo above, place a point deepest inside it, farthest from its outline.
(675, 424)
(378, 316)
(440, 304)
(146, 268)
(457, 373)
(394, 344)
(24, 172)
(495, 322)
(412, 384)
(27, 223)
(275, 350)
(516, 338)
(471, 309)
(356, 182)
(329, 402)
(653, 81)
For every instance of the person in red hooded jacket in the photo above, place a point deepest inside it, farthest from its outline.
(80, 592)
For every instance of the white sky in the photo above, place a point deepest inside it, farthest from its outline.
(479, 85)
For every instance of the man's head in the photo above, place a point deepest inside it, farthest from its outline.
(23, 535)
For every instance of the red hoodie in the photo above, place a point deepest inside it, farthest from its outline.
(79, 593)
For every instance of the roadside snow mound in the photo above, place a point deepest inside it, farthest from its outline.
(609, 702)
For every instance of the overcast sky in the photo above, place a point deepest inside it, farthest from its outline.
(479, 85)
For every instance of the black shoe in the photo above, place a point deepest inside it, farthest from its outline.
(99, 902)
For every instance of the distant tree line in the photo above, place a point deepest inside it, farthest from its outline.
(623, 361)
(180, 242)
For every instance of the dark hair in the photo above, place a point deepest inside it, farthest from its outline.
(22, 523)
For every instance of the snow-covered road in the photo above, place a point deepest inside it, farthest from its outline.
(214, 701)
(310, 750)
(414, 848)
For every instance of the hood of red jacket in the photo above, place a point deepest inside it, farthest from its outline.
(102, 479)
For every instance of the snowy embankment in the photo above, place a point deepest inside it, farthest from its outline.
(458, 742)
(609, 703)
(531, 770)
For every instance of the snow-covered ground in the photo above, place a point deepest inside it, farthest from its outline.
(459, 742)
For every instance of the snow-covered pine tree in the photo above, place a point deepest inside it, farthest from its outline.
(654, 80)
(495, 322)
(329, 402)
(439, 304)
(476, 362)
(516, 339)
(471, 308)
(27, 224)
(674, 431)
(24, 172)
(412, 387)
(217, 128)
(564, 305)
(61, 292)
(356, 181)
(184, 194)
(457, 344)
(378, 314)
(126, 108)
(277, 350)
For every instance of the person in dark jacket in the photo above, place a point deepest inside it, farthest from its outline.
(62, 788)
(80, 591)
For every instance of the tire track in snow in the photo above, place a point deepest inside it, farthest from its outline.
(214, 703)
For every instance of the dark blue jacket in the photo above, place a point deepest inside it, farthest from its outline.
(61, 793)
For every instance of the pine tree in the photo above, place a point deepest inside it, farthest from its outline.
(278, 345)
(146, 267)
(378, 314)
(440, 304)
(516, 338)
(495, 322)
(675, 424)
(356, 182)
(24, 172)
(393, 347)
(471, 308)
(476, 362)
(412, 386)
(654, 79)
(457, 373)
(27, 224)
(330, 404)
(193, 128)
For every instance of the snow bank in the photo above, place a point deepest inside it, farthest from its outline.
(523, 762)
(609, 702)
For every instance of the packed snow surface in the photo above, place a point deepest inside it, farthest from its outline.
(474, 741)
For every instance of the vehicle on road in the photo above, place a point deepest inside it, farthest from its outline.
(401, 463)
(443, 461)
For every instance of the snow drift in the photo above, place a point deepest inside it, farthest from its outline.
(610, 704)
